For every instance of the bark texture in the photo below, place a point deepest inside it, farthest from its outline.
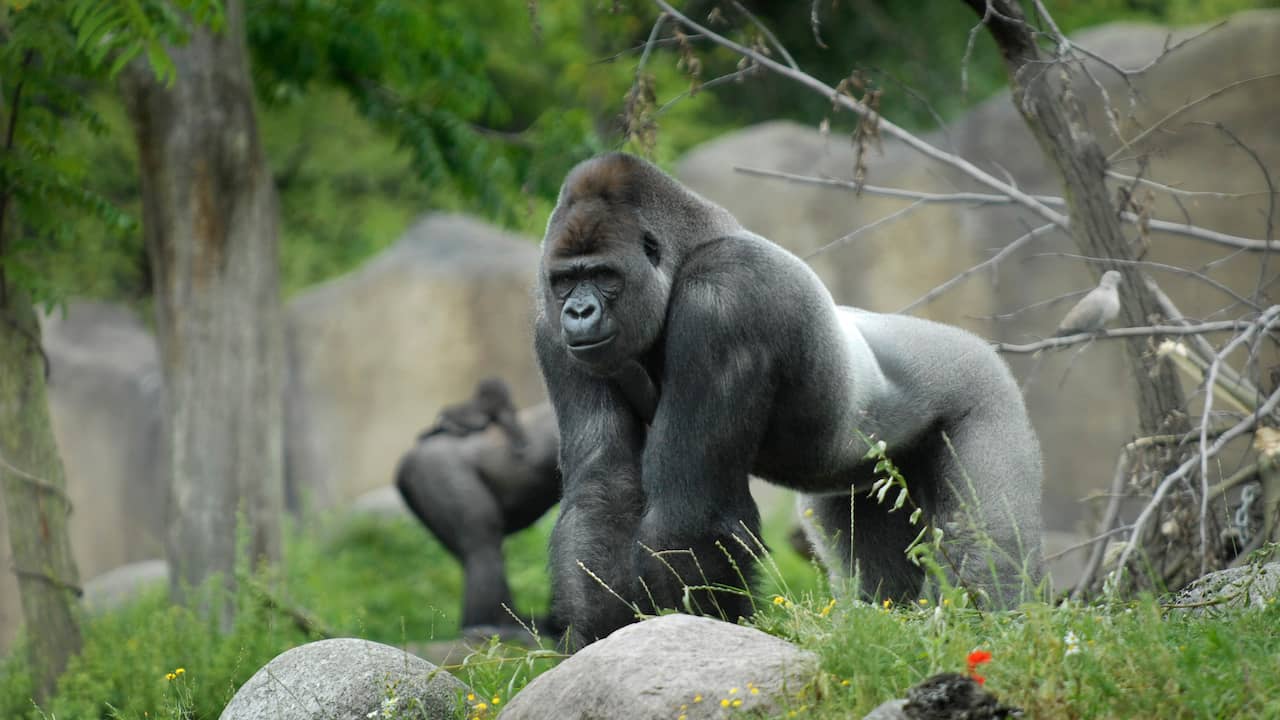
(1042, 92)
(211, 224)
(35, 498)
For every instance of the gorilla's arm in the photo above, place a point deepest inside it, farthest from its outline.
(601, 502)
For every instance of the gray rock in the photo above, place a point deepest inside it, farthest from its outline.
(114, 588)
(346, 679)
(660, 667)
(1233, 589)
(374, 354)
(383, 502)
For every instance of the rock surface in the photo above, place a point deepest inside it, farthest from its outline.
(374, 354)
(118, 586)
(1232, 589)
(670, 666)
(346, 678)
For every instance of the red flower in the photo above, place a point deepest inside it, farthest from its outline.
(976, 658)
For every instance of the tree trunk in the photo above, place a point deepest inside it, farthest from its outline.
(210, 218)
(1042, 92)
(35, 497)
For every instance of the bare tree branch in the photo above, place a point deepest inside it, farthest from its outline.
(1147, 331)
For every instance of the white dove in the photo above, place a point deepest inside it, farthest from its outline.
(1094, 310)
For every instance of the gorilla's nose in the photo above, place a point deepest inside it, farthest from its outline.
(580, 321)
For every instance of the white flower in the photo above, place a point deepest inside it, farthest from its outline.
(1072, 642)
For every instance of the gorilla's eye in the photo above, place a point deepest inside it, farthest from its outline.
(651, 249)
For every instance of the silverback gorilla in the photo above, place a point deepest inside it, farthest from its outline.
(683, 352)
(471, 491)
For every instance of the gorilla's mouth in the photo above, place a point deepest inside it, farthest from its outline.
(590, 344)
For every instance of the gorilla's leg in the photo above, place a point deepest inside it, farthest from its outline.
(449, 497)
(875, 554)
(992, 524)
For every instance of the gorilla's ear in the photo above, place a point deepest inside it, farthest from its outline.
(651, 249)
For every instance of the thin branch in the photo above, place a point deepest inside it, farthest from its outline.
(50, 579)
(890, 218)
(1150, 330)
(36, 482)
(768, 34)
(994, 260)
(1181, 192)
(1185, 229)
(1158, 266)
(1178, 111)
(1180, 473)
(884, 125)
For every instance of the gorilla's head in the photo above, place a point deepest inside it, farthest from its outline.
(604, 279)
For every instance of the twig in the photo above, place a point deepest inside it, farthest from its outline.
(891, 217)
(768, 34)
(1150, 330)
(1174, 477)
(1157, 266)
(1125, 144)
(994, 260)
(46, 577)
(1184, 228)
(884, 125)
(302, 619)
(37, 482)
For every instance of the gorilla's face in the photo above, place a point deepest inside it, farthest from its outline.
(603, 286)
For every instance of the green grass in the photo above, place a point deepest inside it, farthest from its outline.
(390, 581)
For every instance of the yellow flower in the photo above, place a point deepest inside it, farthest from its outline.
(808, 512)
(946, 601)
(496, 700)
(827, 610)
(697, 698)
(887, 602)
(724, 702)
(733, 691)
(683, 717)
(844, 682)
(684, 707)
(755, 691)
(169, 676)
(179, 671)
(779, 600)
(737, 703)
(481, 707)
(924, 602)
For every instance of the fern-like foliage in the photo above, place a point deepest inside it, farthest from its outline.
(53, 54)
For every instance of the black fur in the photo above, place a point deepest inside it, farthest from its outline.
(754, 370)
(471, 492)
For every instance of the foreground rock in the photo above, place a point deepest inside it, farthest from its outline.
(346, 678)
(1233, 589)
(670, 666)
(945, 696)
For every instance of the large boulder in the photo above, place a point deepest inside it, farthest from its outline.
(373, 355)
(670, 666)
(106, 400)
(346, 678)
(1082, 404)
